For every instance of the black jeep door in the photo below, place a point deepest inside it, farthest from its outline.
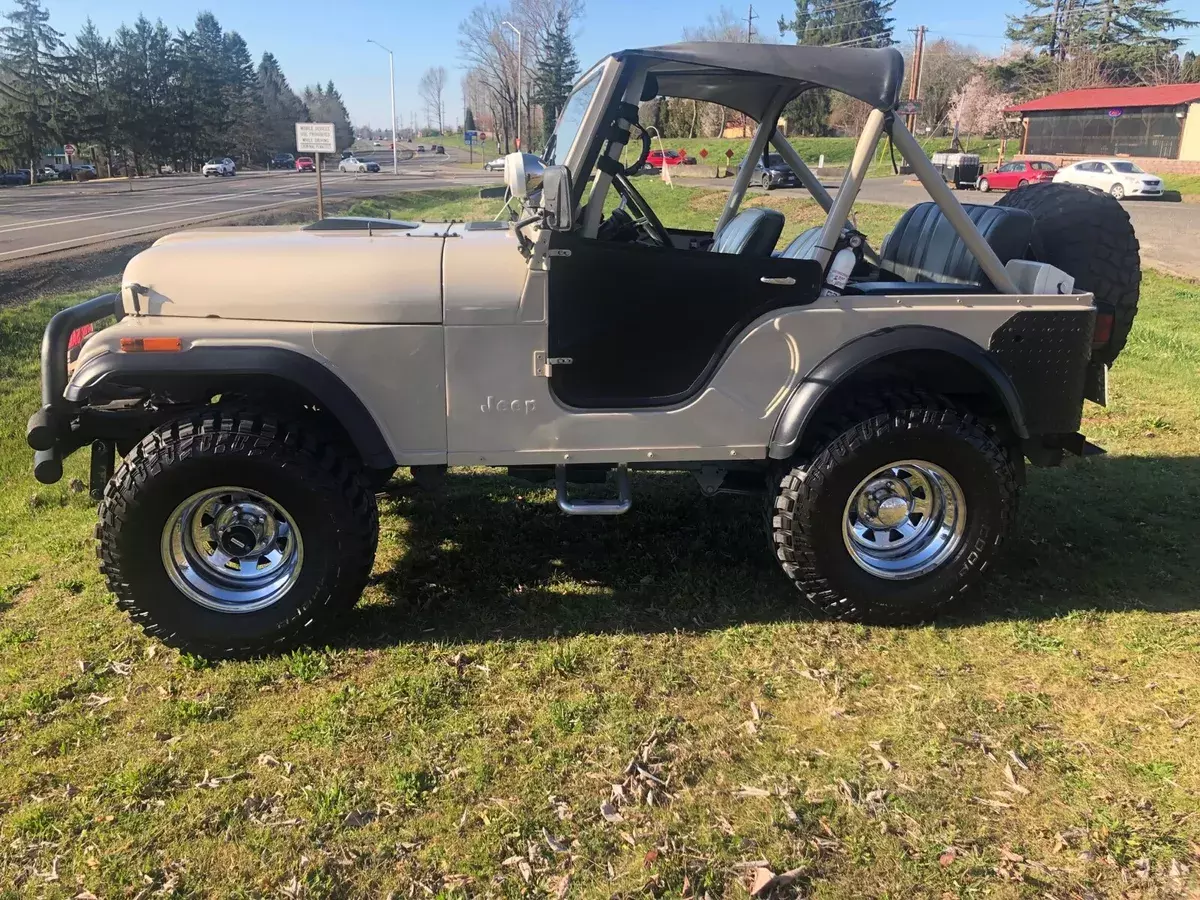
(647, 326)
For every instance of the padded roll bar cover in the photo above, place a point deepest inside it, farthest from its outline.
(925, 247)
(752, 232)
(806, 399)
(214, 366)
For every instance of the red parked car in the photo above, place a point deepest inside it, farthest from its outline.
(305, 164)
(659, 158)
(1017, 174)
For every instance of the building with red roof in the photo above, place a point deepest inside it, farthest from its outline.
(1155, 121)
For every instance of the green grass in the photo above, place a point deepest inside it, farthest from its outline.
(1184, 184)
(506, 664)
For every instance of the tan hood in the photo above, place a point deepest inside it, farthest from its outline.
(285, 274)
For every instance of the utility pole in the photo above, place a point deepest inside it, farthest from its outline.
(392, 84)
(914, 80)
(750, 17)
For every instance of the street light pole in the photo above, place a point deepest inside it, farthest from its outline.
(392, 85)
(519, 78)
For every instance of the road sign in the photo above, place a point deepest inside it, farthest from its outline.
(729, 154)
(909, 107)
(471, 137)
(69, 149)
(315, 137)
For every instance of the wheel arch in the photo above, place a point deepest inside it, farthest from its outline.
(927, 356)
(203, 372)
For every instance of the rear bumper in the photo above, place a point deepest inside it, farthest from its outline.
(52, 431)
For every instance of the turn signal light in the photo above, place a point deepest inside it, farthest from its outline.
(1104, 326)
(152, 345)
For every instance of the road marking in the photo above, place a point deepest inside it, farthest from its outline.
(71, 243)
(88, 217)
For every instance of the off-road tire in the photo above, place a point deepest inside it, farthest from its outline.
(808, 508)
(1088, 235)
(324, 490)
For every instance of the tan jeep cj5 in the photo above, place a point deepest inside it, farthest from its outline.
(260, 384)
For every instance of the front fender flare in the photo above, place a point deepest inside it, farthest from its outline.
(227, 366)
(808, 395)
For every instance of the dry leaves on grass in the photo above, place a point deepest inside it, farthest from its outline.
(643, 781)
(216, 781)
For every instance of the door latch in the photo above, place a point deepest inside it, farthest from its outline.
(543, 365)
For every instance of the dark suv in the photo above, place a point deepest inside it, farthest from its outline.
(282, 161)
(776, 173)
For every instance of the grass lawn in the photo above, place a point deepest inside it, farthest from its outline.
(837, 151)
(634, 704)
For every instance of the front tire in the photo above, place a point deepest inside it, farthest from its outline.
(1117, 191)
(898, 514)
(766, 183)
(229, 534)
(984, 186)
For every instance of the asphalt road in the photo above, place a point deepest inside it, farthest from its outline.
(50, 218)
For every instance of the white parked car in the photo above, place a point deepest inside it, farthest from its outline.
(219, 167)
(352, 164)
(495, 165)
(1119, 177)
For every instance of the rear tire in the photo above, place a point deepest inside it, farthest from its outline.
(177, 508)
(943, 492)
(1089, 236)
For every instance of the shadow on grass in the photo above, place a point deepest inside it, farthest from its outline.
(484, 562)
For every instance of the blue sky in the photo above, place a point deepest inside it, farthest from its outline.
(316, 41)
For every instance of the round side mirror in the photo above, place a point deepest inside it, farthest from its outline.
(522, 174)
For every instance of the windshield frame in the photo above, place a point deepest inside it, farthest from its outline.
(561, 155)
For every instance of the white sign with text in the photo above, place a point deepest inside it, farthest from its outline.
(315, 137)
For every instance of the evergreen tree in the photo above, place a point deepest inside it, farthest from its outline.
(1189, 70)
(557, 67)
(90, 118)
(1129, 38)
(840, 23)
(33, 63)
(469, 120)
(281, 108)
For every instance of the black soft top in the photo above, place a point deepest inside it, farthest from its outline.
(745, 76)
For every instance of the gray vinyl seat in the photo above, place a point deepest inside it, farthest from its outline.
(925, 247)
(752, 232)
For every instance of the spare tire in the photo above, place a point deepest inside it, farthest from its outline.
(1088, 235)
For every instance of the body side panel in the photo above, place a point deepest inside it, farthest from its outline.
(396, 371)
(501, 412)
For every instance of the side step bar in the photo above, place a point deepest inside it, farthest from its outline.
(622, 504)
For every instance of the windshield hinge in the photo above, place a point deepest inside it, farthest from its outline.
(544, 365)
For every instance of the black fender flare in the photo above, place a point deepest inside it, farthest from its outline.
(806, 398)
(217, 366)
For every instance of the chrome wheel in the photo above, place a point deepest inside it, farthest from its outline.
(232, 550)
(904, 520)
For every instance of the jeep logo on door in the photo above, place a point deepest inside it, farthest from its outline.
(494, 405)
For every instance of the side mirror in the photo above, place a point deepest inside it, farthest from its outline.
(522, 174)
(558, 209)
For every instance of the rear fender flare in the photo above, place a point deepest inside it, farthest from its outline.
(217, 367)
(813, 389)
